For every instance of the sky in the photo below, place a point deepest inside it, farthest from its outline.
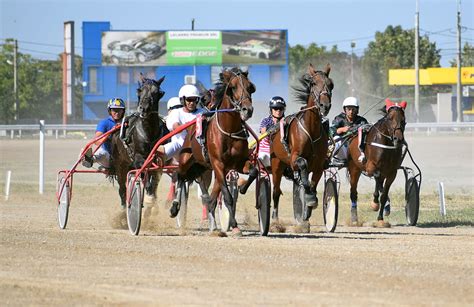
(38, 24)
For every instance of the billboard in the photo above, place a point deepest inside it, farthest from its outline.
(155, 48)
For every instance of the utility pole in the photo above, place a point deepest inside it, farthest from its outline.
(459, 85)
(15, 80)
(194, 67)
(353, 44)
(417, 66)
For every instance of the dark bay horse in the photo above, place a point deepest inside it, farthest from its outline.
(383, 152)
(226, 139)
(146, 128)
(307, 139)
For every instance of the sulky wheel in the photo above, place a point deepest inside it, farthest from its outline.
(263, 205)
(412, 197)
(64, 201)
(330, 205)
(134, 205)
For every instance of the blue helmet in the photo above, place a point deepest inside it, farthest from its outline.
(116, 103)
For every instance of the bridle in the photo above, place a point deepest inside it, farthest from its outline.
(237, 104)
(324, 91)
(150, 99)
(242, 134)
(391, 132)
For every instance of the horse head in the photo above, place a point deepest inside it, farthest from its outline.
(149, 94)
(395, 118)
(239, 89)
(321, 88)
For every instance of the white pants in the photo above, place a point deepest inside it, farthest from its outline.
(173, 147)
(102, 157)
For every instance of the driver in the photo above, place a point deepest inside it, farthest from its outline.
(116, 110)
(342, 123)
(189, 98)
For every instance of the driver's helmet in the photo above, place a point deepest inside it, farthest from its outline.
(173, 103)
(188, 90)
(115, 103)
(350, 102)
(277, 102)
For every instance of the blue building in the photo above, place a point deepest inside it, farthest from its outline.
(107, 73)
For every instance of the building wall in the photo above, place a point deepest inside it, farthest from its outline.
(105, 82)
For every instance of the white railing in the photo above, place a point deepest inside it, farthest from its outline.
(57, 129)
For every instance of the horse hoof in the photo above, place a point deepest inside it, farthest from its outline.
(277, 227)
(236, 232)
(217, 233)
(386, 210)
(382, 224)
(174, 209)
(304, 227)
(374, 206)
(354, 217)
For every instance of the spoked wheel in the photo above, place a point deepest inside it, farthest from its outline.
(263, 204)
(300, 210)
(412, 197)
(134, 208)
(64, 202)
(330, 205)
(222, 210)
(182, 193)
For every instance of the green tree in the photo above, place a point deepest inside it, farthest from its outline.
(300, 57)
(39, 87)
(394, 48)
(467, 56)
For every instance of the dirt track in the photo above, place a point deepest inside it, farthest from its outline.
(95, 262)
(92, 262)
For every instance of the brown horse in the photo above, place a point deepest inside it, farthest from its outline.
(383, 152)
(307, 139)
(146, 128)
(226, 139)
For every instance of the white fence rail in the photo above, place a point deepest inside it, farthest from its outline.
(16, 130)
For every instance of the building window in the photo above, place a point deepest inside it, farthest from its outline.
(276, 74)
(123, 75)
(93, 80)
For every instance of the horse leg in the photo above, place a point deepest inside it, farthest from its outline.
(316, 176)
(354, 174)
(253, 173)
(378, 188)
(384, 197)
(204, 184)
(276, 176)
(122, 181)
(309, 197)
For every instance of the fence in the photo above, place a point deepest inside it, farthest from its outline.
(63, 130)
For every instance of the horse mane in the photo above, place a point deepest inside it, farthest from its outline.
(302, 91)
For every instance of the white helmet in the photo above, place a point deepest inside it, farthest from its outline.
(188, 90)
(173, 102)
(350, 102)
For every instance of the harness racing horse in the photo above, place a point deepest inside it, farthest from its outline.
(383, 152)
(145, 129)
(226, 140)
(307, 139)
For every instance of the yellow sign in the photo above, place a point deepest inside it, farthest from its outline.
(431, 76)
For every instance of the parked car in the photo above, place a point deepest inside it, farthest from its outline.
(132, 51)
(255, 48)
